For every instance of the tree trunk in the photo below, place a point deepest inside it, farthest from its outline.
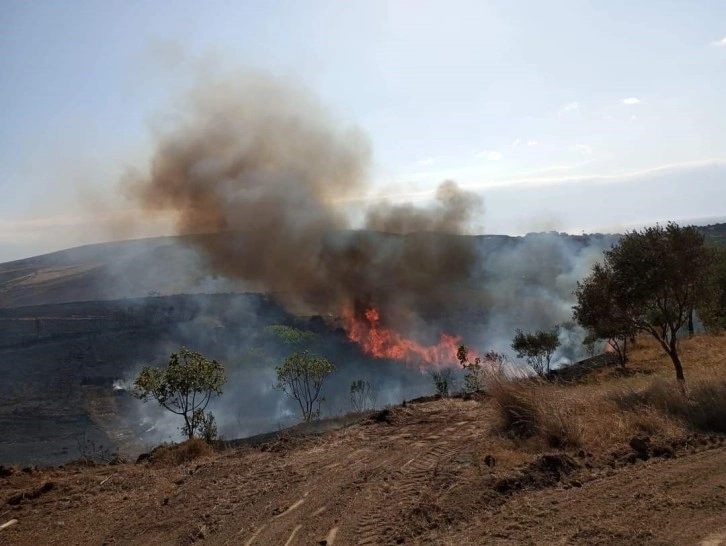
(189, 431)
(690, 323)
(673, 353)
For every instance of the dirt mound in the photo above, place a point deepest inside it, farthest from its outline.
(545, 471)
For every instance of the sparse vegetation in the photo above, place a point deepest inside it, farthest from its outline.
(184, 388)
(477, 371)
(704, 409)
(361, 395)
(443, 381)
(92, 452)
(301, 377)
(537, 348)
(292, 336)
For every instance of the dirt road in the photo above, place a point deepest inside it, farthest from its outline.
(418, 476)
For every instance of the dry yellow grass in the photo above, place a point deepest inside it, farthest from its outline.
(176, 454)
(613, 405)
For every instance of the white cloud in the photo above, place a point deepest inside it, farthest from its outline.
(425, 162)
(532, 143)
(474, 177)
(631, 101)
(489, 155)
(570, 107)
(516, 142)
(583, 149)
(721, 42)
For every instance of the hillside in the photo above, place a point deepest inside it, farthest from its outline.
(163, 265)
(170, 265)
(106, 271)
(435, 472)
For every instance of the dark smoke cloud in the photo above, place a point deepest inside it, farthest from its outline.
(265, 166)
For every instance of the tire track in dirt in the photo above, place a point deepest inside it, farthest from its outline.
(403, 485)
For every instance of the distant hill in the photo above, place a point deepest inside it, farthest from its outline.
(129, 269)
(106, 271)
(171, 265)
(715, 234)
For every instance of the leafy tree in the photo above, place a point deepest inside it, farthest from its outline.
(537, 348)
(443, 381)
(597, 313)
(184, 388)
(655, 278)
(361, 395)
(712, 311)
(301, 377)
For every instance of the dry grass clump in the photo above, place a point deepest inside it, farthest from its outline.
(532, 409)
(702, 410)
(176, 454)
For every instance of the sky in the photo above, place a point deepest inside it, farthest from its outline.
(567, 115)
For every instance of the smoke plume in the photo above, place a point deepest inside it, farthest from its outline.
(263, 168)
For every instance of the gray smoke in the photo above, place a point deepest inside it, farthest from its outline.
(259, 170)
(264, 167)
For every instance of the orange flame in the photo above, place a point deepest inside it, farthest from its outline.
(381, 342)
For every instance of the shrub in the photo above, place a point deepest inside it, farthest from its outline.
(176, 454)
(517, 408)
(478, 371)
(443, 381)
(560, 427)
(92, 453)
(361, 395)
(529, 409)
(702, 410)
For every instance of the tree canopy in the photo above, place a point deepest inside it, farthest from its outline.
(537, 348)
(301, 377)
(650, 281)
(598, 313)
(184, 388)
(712, 310)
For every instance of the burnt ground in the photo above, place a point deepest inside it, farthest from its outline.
(418, 474)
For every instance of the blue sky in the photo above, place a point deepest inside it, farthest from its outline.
(569, 115)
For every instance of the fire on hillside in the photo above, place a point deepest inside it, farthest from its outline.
(366, 328)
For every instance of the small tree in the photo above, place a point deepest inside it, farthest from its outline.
(478, 370)
(184, 388)
(361, 395)
(443, 381)
(301, 377)
(655, 278)
(537, 348)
